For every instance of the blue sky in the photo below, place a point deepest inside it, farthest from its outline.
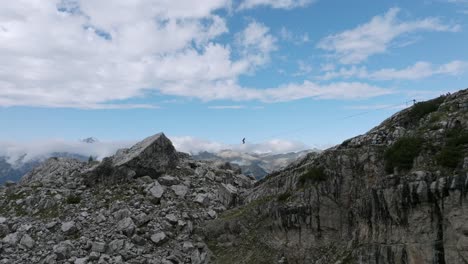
(285, 72)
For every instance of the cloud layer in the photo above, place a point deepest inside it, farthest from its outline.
(278, 4)
(357, 45)
(419, 70)
(194, 145)
(89, 54)
(100, 149)
(44, 148)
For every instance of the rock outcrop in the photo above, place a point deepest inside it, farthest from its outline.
(152, 157)
(144, 205)
(394, 195)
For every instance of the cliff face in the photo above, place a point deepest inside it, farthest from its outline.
(394, 195)
(153, 157)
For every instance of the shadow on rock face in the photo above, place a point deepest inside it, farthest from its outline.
(153, 156)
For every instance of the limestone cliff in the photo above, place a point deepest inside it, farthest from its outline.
(394, 195)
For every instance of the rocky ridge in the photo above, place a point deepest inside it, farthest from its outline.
(143, 205)
(257, 165)
(394, 195)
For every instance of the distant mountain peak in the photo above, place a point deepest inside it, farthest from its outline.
(90, 140)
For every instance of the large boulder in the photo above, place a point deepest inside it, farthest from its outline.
(228, 194)
(153, 156)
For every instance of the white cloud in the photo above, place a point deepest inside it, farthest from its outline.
(289, 92)
(340, 90)
(227, 107)
(89, 54)
(59, 58)
(356, 45)
(41, 149)
(44, 148)
(278, 4)
(303, 69)
(256, 43)
(419, 70)
(196, 145)
(289, 36)
(455, 1)
(377, 107)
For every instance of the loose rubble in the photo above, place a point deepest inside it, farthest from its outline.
(59, 213)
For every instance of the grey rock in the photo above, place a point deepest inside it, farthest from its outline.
(167, 180)
(94, 255)
(138, 240)
(27, 241)
(116, 245)
(172, 218)
(228, 194)
(187, 246)
(98, 247)
(202, 198)
(195, 258)
(51, 225)
(69, 228)
(121, 214)
(212, 214)
(126, 226)
(63, 250)
(11, 239)
(159, 238)
(83, 260)
(100, 218)
(152, 156)
(180, 190)
(421, 191)
(4, 230)
(156, 190)
(50, 259)
(142, 219)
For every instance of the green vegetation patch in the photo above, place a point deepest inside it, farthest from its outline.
(48, 213)
(402, 153)
(283, 197)
(248, 224)
(313, 175)
(421, 109)
(453, 151)
(73, 199)
(245, 210)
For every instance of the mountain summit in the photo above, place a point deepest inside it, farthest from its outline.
(90, 140)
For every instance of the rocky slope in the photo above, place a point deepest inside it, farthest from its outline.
(13, 171)
(142, 205)
(257, 165)
(394, 195)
